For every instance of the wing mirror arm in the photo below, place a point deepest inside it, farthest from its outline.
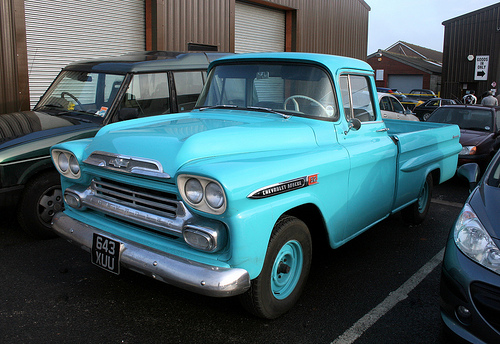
(353, 124)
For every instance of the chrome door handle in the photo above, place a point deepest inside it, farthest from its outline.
(382, 130)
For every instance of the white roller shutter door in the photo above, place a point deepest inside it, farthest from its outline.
(258, 29)
(62, 31)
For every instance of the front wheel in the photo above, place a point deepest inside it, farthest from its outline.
(285, 270)
(417, 211)
(41, 199)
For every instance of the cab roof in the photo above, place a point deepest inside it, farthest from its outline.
(332, 62)
(147, 61)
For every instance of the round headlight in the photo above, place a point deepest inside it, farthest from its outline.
(73, 165)
(63, 162)
(194, 191)
(214, 195)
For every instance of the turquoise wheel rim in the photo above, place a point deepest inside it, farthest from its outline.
(422, 199)
(287, 269)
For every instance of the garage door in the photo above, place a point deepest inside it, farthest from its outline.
(405, 83)
(258, 29)
(62, 31)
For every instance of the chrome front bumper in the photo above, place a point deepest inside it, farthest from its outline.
(184, 273)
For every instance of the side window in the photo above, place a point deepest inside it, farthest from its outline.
(188, 86)
(397, 106)
(385, 104)
(358, 89)
(147, 95)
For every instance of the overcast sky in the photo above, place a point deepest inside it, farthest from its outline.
(416, 22)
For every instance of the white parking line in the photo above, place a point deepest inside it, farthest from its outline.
(452, 204)
(390, 301)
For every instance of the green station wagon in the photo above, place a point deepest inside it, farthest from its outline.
(85, 96)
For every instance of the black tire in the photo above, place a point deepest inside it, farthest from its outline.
(425, 116)
(41, 199)
(280, 285)
(417, 211)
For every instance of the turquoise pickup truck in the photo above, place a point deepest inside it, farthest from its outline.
(282, 151)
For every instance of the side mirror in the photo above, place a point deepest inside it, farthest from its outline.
(408, 112)
(470, 172)
(353, 124)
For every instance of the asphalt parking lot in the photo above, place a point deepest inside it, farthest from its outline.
(382, 287)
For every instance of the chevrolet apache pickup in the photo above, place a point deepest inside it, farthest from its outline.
(282, 151)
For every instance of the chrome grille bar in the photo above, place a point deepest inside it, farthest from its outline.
(133, 197)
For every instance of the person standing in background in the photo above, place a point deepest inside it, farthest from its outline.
(470, 98)
(489, 100)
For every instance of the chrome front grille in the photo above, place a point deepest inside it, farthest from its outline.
(156, 202)
(157, 210)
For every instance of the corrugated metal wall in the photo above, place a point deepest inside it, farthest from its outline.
(476, 34)
(13, 61)
(323, 26)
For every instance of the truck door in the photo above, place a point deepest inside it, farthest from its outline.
(372, 153)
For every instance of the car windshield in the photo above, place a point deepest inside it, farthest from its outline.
(465, 118)
(82, 92)
(302, 90)
(493, 178)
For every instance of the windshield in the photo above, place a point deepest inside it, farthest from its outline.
(470, 119)
(301, 90)
(90, 93)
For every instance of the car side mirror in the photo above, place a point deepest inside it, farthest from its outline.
(408, 112)
(470, 172)
(353, 124)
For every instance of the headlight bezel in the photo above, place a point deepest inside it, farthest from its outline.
(204, 204)
(474, 241)
(66, 163)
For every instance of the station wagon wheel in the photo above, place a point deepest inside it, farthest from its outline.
(285, 270)
(425, 116)
(41, 199)
(74, 98)
(296, 104)
(417, 211)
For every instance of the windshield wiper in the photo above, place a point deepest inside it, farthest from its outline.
(284, 115)
(251, 108)
(219, 107)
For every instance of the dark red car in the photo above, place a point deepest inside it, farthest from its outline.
(479, 130)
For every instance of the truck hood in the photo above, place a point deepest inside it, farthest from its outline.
(175, 140)
(29, 126)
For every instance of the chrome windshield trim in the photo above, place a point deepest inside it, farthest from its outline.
(127, 164)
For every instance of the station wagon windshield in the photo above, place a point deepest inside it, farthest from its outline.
(302, 90)
(82, 92)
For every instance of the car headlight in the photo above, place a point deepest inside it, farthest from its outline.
(202, 193)
(468, 150)
(66, 163)
(214, 195)
(474, 241)
(193, 190)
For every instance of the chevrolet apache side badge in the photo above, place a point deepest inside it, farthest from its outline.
(283, 187)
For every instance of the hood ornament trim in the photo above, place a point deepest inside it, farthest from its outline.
(127, 164)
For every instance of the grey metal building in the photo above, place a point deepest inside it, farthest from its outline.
(471, 53)
(39, 37)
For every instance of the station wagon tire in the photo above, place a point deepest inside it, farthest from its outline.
(425, 116)
(41, 199)
(416, 212)
(284, 274)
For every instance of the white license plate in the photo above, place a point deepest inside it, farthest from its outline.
(106, 253)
